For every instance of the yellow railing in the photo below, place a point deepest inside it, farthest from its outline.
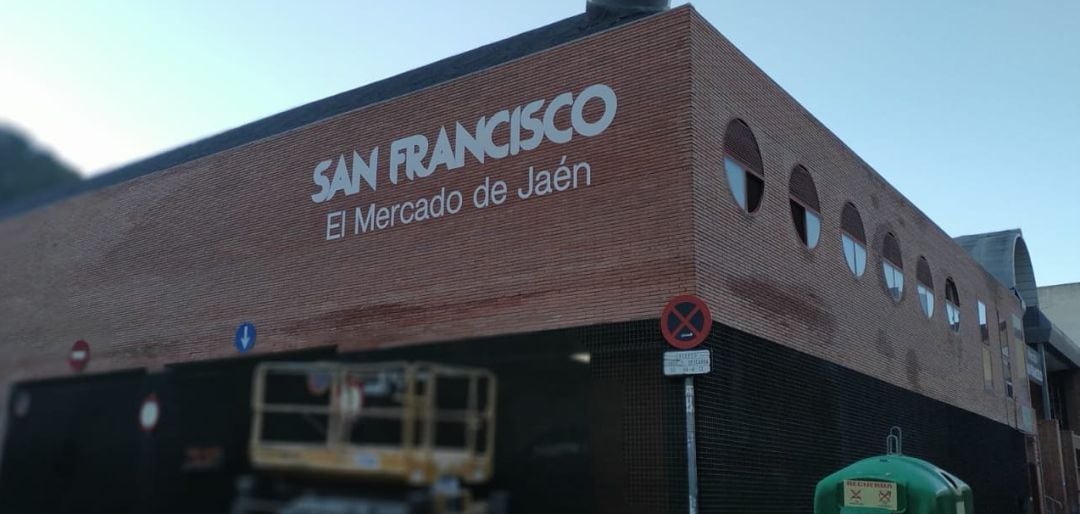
(396, 421)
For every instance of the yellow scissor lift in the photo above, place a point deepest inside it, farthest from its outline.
(424, 425)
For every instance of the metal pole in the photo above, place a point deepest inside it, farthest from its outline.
(1047, 413)
(691, 446)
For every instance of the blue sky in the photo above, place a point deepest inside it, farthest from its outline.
(971, 108)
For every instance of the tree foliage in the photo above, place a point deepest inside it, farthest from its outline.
(26, 169)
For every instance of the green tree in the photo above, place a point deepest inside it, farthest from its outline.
(26, 169)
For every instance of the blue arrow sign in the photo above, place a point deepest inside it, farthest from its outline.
(245, 337)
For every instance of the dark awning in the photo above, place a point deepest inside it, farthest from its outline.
(1040, 329)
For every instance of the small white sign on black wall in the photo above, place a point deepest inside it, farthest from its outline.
(689, 362)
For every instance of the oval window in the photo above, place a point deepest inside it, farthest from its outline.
(742, 164)
(925, 286)
(892, 266)
(805, 209)
(853, 239)
(952, 305)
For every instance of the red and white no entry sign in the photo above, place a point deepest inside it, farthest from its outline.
(685, 321)
(79, 356)
(149, 413)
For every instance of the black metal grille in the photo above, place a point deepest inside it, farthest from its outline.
(586, 423)
(773, 421)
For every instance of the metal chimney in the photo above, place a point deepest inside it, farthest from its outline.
(614, 9)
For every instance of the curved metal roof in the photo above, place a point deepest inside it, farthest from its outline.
(1005, 255)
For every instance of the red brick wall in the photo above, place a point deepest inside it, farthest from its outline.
(163, 268)
(759, 277)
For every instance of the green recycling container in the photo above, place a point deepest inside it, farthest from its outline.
(892, 483)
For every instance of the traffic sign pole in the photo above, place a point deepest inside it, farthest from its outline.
(686, 364)
(691, 446)
(685, 323)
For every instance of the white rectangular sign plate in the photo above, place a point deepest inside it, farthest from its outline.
(871, 494)
(689, 362)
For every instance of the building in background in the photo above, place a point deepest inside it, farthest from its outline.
(524, 209)
(1051, 361)
(1056, 329)
(1062, 304)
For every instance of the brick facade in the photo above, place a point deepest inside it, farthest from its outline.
(162, 268)
(759, 277)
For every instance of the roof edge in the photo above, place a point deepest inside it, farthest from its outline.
(491, 55)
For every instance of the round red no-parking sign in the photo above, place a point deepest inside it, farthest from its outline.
(79, 356)
(685, 321)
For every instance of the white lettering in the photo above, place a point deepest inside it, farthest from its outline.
(522, 128)
(321, 181)
(515, 131)
(414, 161)
(464, 141)
(565, 177)
(489, 193)
(341, 180)
(493, 150)
(554, 134)
(365, 170)
(561, 179)
(422, 209)
(532, 125)
(382, 218)
(374, 217)
(409, 151)
(397, 158)
(443, 153)
(453, 202)
(577, 113)
(335, 225)
(364, 224)
(498, 192)
(406, 220)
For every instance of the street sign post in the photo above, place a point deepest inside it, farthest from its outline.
(685, 323)
(691, 444)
